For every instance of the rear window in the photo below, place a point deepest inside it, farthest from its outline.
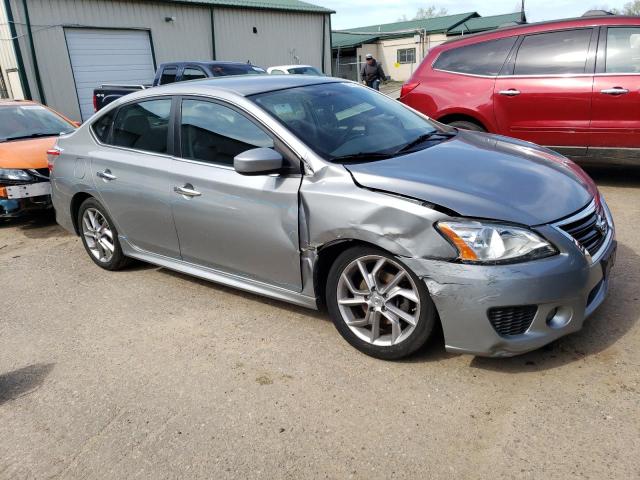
(236, 69)
(554, 53)
(484, 58)
(168, 75)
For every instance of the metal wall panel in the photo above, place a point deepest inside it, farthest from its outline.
(7, 55)
(186, 38)
(281, 38)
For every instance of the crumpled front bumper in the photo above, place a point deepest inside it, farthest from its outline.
(569, 282)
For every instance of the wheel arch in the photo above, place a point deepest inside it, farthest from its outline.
(466, 116)
(74, 208)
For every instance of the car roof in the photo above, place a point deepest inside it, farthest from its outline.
(207, 63)
(292, 66)
(550, 25)
(244, 85)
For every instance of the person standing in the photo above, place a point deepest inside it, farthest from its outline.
(372, 73)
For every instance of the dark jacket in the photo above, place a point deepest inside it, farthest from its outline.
(372, 72)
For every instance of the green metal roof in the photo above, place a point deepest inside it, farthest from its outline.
(287, 5)
(481, 24)
(356, 36)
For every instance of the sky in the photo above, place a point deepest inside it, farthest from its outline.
(356, 13)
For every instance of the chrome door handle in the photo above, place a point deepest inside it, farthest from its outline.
(614, 91)
(512, 92)
(187, 191)
(106, 175)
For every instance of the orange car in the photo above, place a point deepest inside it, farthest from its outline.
(27, 131)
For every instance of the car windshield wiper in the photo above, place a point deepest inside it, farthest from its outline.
(424, 138)
(362, 157)
(33, 135)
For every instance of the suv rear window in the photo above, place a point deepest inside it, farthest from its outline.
(484, 58)
(553, 53)
(168, 75)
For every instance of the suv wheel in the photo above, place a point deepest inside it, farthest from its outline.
(378, 305)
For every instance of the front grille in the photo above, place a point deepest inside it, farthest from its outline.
(590, 229)
(508, 321)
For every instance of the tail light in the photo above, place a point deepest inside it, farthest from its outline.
(52, 153)
(408, 87)
(95, 103)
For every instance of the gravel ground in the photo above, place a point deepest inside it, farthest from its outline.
(151, 374)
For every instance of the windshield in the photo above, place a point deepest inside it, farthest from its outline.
(304, 71)
(340, 121)
(29, 121)
(236, 69)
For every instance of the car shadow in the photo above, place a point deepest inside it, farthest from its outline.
(243, 295)
(614, 176)
(613, 319)
(23, 381)
(36, 225)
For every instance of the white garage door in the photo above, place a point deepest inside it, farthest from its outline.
(107, 56)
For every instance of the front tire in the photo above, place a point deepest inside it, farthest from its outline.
(378, 305)
(100, 237)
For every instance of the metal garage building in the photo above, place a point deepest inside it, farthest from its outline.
(58, 51)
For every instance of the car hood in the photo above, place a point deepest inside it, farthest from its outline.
(26, 153)
(485, 176)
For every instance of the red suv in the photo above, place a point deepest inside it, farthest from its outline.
(572, 85)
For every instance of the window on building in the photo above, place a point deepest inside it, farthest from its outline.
(193, 73)
(407, 55)
(555, 53)
(143, 125)
(169, 75)
(486, 58)
(3, 87)
(213, 133)
(623, 50)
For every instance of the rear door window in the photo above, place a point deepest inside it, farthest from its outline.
(554, 53)
(169, 75)
(214, 133)
(193, 73)
(623, 50)
(484, 58)
(143, 126)
(102, 126)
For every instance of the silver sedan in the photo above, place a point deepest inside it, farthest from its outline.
(327, 194)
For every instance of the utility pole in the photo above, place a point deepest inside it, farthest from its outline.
(522, 16)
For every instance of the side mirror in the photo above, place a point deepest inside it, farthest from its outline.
(258, 161)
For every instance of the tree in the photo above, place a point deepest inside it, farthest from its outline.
(630, 8)
(429, 12)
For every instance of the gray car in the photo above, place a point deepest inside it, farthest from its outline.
(325, 193)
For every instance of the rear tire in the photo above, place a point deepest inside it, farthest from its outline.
(100, 237)
(467, 125)
(388, 315)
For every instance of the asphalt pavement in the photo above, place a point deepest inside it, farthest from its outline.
(146, 373)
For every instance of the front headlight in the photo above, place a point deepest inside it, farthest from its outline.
(15, 175)
(480, 242)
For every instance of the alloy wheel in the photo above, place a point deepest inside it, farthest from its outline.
(378, 300)
(98, 235)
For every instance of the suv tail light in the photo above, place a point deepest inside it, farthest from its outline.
(408, 87)
(95, 103)
(52, 153)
